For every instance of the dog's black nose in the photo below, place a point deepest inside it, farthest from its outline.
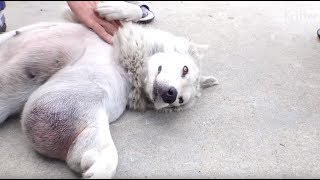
(170, 95)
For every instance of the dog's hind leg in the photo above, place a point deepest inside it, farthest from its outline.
(93, 153)
(6, 36)
(24, 73)
(28, 61)
(15, 87)
(16, 84)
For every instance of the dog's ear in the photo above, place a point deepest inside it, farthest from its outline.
(198, 51)
(208, 81)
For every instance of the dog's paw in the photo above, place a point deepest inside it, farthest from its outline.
(119, 10)
(100, 163)
(99, 170)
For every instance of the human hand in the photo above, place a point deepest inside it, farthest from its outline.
(85, 12)
(119, 10)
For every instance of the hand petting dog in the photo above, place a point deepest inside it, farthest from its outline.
(85, 12)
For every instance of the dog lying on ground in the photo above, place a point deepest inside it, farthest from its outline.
(70, 84)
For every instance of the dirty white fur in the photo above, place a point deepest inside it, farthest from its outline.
(119, 10)
(70, 85)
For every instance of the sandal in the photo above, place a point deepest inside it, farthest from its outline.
(147, 15)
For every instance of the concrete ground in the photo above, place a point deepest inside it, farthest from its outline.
(262, 121)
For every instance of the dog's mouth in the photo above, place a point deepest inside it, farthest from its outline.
(155, 92)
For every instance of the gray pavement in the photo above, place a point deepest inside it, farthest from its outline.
(262, 121)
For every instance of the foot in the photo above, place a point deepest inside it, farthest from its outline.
(3, 26)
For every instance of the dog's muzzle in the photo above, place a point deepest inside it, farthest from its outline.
(167, 93)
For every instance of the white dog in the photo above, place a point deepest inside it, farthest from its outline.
(70, 85)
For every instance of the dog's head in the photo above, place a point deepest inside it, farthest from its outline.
(173, 79)
(166, 67)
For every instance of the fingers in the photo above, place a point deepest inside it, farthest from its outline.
(115, 24)
(114, 16)
(118, 23)
(108, 26)
(97, 28)
(85, 11)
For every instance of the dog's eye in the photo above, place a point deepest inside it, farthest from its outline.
(180, 100)
(159, 69)
(185, 71)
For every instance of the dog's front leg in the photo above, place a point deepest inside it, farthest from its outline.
(94, 154)
(119, 10)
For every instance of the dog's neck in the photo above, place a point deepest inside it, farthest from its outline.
(132, 53)
(137, 98)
